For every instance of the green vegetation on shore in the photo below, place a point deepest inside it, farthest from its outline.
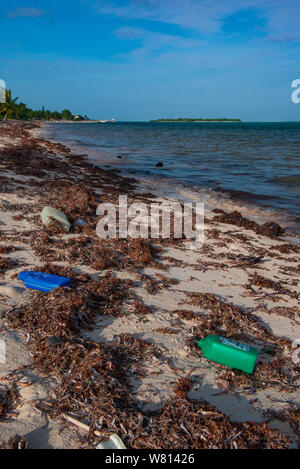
(200, 119)
(13, 110)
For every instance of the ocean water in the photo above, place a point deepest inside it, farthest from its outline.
(255, 166)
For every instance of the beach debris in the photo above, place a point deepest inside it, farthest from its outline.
(185, 424)
(43, 282)
(49, 214)
(54, 341)
(263, 282)
(7, 249)
(296, 354)
(223, 384)
(186, 315)
(154, 285)
(80, 222)
(24, 382)
(226, 319)
(229, 352)
(8, 398)
(114, 442)
(160, 165)
(286, 248)
(100, 254)
(182, 388)
(17, 442)
(79, 424)
(165, 330)
(245, 261)
(94, 380)
(7, 264)
(270, 229)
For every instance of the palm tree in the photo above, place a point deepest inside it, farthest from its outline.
(21, 111)
(8, 107)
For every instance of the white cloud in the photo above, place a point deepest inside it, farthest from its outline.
(130, 33)
(284, 38)
(23, 12)
(205, 16)
(153, 40)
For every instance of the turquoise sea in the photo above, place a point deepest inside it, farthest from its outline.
(253, 164)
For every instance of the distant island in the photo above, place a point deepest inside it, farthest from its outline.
(200, 119)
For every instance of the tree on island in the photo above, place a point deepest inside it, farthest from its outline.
(67, 115)
(13, 110)
(199, 119)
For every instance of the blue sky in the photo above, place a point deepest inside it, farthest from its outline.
(143, 59)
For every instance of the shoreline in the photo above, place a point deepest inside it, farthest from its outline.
(213, 197)
(158, 298)
(79, 122)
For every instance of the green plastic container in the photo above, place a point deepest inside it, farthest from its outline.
(229, 352)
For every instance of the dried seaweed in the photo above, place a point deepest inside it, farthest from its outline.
(94, 380)
(16, 442)
(7, 264)
(187, 315)
(8, 399)
(184, 424)
(286, 248)
(165, 330)
(260, 281)
(182, 388)
(270, 229)
(100, 254)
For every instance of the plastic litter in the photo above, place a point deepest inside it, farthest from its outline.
(43, 282)
(17, 442)
(50, 213)
(229, 352)
(296, 354)
(80, 222)
(114, 442)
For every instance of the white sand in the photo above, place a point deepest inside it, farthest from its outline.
(156, 388)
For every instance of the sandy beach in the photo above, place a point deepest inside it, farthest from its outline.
(118, 351)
